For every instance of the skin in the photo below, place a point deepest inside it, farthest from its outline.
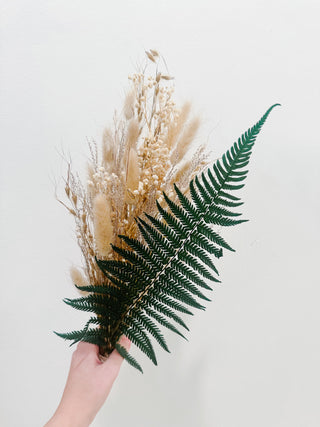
(88, 385)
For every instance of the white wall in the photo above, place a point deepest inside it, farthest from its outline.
(253, 356)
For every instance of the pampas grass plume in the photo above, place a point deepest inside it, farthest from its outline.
(103, 230)
(107, 148)
(133, 175)
(78, 278)
(185, 140)
(128, 108)
(176, 127)
(133, 133)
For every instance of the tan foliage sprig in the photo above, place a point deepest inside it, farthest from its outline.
(143, 154)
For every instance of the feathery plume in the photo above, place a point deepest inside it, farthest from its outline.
(107, 149)
(176, 126)
(133, 133)
(78, 278)
(128, 108)
(185, 140)
(103, 231)
(133, 174)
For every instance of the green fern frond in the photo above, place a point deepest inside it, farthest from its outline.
(166, 271)
(127, 356)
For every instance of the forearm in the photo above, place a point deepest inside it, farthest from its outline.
(67, 418)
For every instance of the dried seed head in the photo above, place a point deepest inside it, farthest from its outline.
(150, 56)
(67, 190)
(167, 77)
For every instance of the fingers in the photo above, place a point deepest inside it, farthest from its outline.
(85, 348)
(125, 342)
(114, 361)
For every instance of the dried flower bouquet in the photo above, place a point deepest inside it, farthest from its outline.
(143, 262)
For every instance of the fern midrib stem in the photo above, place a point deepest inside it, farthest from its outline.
(146, 290)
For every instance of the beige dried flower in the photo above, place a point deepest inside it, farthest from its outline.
(103, 229)
(143, 154)
(176, 126)
(132, 133)
(133, 175)
(128, 108)
(78, 278)
(185, 140)
(107, 149)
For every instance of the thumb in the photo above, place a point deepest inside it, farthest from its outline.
(115, 360)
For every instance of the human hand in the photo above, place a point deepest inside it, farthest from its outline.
(88, 385)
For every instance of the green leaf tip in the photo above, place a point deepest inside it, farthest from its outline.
(127, 356)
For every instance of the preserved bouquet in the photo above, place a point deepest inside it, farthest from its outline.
(145, 219)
